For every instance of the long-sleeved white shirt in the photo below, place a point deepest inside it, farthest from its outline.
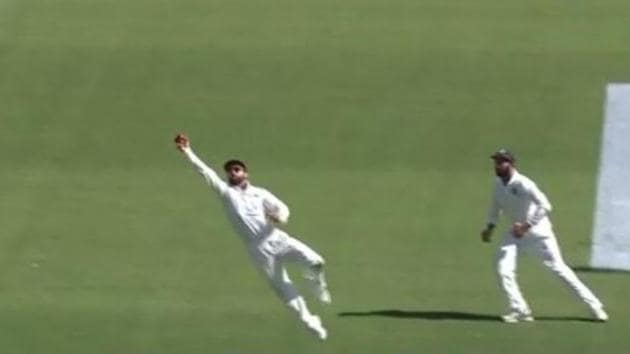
(249, 209)
(522, 201)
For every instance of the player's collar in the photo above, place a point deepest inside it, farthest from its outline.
(244, 187)
(514, 177)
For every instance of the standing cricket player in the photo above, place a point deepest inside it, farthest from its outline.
(528, 210)
(254, 213)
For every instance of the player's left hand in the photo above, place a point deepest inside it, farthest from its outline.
(519, 229)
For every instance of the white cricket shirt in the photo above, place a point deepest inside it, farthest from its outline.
(522, 201)
(249, 208)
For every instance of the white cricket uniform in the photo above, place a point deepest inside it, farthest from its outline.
(248, 210)
(522, 201)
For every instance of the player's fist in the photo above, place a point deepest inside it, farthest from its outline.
(519, 229)
(181, 141)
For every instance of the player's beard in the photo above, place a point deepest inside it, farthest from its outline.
(503, 173)
(237, 181)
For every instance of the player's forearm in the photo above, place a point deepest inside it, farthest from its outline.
(278, 219)
(539, 214)
(278, 213)
(275, 208)
(494, 211)
(282, 216)
(211, 177)
(493, 216)
(543, 207)
(195, 160)
(492, 219)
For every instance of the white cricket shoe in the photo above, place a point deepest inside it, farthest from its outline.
(319, 287)
(517, 316)
(599, 314)
(323, 295)
(314, 325)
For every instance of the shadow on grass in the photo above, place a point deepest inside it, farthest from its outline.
(587, 269)
(425, 315)
(452, 315)
(566, 319)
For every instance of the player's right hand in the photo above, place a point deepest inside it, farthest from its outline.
(181, 141)
(486, 235)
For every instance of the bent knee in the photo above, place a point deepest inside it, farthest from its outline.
(505, 271)
(558, 267)
(318, 263)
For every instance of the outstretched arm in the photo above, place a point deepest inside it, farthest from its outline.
(183, 144)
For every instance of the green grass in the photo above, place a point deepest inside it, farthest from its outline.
(372, 119)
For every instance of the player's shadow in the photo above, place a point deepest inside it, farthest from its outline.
(586, 269)
(425, 315)
(566, 319)
(451, 315)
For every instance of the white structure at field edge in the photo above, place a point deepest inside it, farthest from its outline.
(611, 230)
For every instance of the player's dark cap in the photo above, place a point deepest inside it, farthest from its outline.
(503, 155)
(231, 163)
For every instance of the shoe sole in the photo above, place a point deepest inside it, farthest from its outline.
(517, 320)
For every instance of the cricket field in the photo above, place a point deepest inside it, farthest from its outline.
(373, 120)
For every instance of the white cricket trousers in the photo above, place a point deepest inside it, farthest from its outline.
(547, 250)
(270, 257)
